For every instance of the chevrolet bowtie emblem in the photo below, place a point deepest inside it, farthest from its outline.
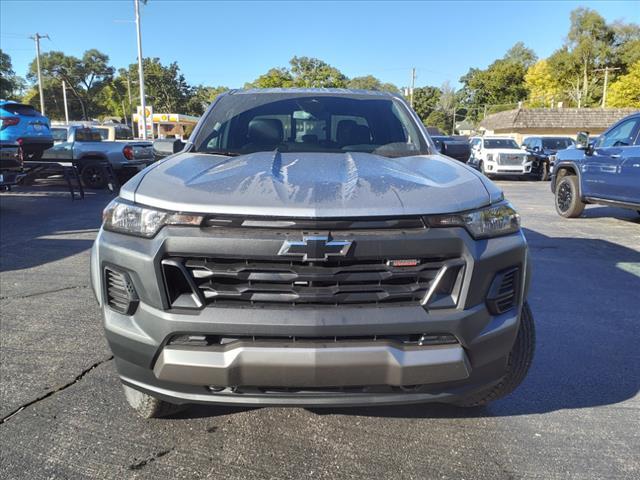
(315, 248)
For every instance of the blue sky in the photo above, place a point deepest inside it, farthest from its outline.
(230, 43)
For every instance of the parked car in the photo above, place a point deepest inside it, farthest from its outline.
(607, 172)
(497, 156)
(541, 149)
(452, 147)
(85, 146)
(24, 127)
(354, 265)
(10, 165)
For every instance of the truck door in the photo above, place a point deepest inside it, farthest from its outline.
(602, 171)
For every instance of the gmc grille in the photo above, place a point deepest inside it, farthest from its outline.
(250, 282)
(511, 159)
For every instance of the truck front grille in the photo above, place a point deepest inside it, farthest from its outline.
(511, 159)
(335, 282)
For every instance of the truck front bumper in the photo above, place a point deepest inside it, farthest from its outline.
(308, 356)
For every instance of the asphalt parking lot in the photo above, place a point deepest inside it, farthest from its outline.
(63, 414)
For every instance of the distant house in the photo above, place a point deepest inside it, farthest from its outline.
(521, 123)
(465, 128)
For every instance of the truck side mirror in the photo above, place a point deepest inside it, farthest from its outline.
(163, 147)
(582, 140)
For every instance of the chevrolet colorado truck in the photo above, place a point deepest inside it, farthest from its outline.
(311, 247)
(605, 172)
(86, 147)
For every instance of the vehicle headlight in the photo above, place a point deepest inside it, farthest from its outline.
(124, 217)
(489, 157)
(493, 221)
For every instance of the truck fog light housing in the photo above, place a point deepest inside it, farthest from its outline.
(496, 220)
(126, 217)
(120, 294)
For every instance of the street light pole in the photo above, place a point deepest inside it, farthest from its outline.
(37, 38)
(143, 101)
(64, 97)
(413, 84)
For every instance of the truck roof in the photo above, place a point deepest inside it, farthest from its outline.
(312, 91)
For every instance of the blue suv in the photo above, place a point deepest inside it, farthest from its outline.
(605, 172)
(23, 126)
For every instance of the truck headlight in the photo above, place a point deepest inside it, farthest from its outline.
(125, 217)
(493, 221)
(489, 157)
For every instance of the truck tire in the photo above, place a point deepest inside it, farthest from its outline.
(520, 360)
(94, 176)
(544, 172)
(567, 197)
(147, 406)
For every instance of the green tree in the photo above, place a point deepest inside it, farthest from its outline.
(166, 88)
(274, 78)
(201, 98)
(625, 92)
(303, 72)
(519, 53)
(84, 77)
(500, 87)
(10, 84)
(369, 82)
(590, 43)
(314, 73)
(425, 101)
(438, 119)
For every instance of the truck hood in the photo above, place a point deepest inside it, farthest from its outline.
(310, 185)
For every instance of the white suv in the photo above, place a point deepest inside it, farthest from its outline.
(499, 156)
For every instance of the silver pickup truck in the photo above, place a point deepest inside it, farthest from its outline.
(85, 146)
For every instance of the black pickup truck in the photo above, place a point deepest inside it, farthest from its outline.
(453, 147)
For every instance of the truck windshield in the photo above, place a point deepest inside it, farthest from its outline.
(246, 123)
(556, 143)
(500, 143)
(59, 134)
(104, 133)
(88, 135)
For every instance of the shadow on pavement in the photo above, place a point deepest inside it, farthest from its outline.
(41, 226)
(585, 299)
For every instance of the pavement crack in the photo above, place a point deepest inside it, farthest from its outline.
(152, 458)
(29, 295)
(54, 391)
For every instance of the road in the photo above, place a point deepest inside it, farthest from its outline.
(575, 417)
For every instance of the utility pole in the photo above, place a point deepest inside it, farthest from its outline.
(606, 71)
(143, 101)
(413, 84)
(453, 126)
(64, 96)
(37, 38)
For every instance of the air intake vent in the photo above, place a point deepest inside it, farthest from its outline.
(120, 294)
(503, 294)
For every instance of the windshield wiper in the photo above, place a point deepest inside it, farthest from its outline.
(226, 153)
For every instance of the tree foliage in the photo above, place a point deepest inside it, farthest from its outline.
(369, 82)
(85, 77)
(625, 92)
(10, 84)
(542, 85)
